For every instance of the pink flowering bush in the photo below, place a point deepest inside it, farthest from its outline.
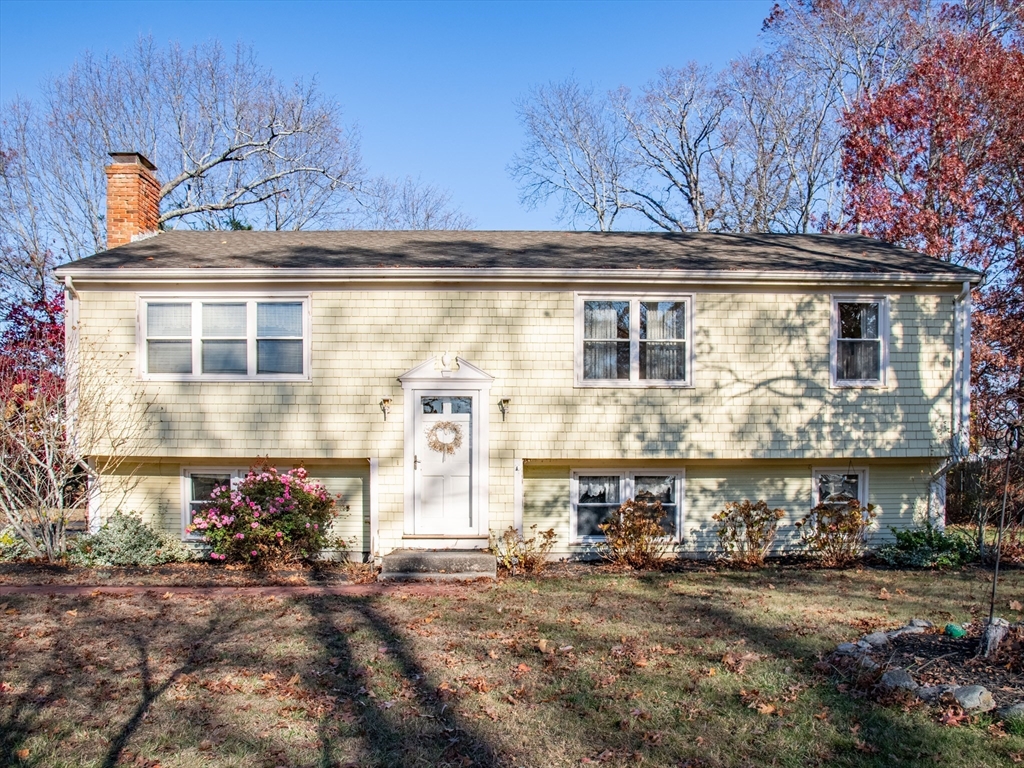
(270, 518)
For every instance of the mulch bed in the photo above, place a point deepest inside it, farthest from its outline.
(934, 658)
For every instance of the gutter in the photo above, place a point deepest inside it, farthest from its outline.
(433, 275)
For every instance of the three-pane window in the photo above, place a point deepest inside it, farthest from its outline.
(229, 338)
(634, 341)
(597, 496)
(859, 346)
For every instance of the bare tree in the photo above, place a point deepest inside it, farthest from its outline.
(56, 440)
(780, 158)
(232, 143)
(674, 132)
(408, 204)
(576, 150)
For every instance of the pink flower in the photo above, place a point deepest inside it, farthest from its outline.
(279, 534)
(307, 525)
(255, 525)
(253, 553)
(317, 527)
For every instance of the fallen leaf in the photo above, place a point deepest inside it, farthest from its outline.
(167, 595)
(22, 754)
(883, 594)
(1016, 605)
(73, 613)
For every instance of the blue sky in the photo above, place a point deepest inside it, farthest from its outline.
(430, 85)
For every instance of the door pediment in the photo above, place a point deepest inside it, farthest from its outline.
(433, 371)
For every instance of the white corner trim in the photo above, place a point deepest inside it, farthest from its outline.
(93, 509)
(961, 432)
(374, 509)
(517, 495)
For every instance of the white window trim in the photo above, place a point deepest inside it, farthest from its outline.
(862, 485)
(197, 299)
(634, 340)
(626, 489)
(883, 335)
(235, 473)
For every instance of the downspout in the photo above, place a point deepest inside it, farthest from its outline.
(960, 436)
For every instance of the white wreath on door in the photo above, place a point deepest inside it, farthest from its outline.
(445, 437)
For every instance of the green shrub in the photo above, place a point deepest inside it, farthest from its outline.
(12, 547)
(514, 551)
(125, 540)
(267, 520)
(929, 548)
(836, 532)
(634, 537)
(746, 530)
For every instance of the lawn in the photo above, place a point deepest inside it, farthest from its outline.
(699, 668)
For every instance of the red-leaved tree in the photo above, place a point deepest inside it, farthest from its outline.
(40, 478)
(935, 162)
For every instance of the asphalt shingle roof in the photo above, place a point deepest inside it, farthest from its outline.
(521, 250)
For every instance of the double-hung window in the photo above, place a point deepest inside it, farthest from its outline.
(634, 341)
(225, 338)
(596, 496)
(860, 334)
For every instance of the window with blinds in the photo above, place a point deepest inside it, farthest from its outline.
(229, 338)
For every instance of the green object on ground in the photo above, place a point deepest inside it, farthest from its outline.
(955, 630)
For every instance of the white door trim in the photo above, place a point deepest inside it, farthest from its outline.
(432, 378)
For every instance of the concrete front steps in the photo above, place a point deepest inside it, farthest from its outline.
(438, 565)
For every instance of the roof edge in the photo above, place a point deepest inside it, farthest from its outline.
(503, 274)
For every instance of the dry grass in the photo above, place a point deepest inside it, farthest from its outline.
(695, 669)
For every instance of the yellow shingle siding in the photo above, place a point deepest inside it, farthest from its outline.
(761, 391)
(155, 491)
(899, 491)
(761, 381)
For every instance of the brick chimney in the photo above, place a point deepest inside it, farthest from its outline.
(133, 198)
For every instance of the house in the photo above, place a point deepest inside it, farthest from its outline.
(447, 384)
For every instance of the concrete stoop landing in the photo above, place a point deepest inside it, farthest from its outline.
(438, 565)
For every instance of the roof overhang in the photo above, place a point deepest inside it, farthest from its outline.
(548, 278)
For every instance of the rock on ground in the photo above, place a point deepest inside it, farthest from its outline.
(974, 698)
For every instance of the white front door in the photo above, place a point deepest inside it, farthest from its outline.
(443, 464)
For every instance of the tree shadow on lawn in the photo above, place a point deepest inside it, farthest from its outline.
(66, 677)
(867, 733)
(434, 735)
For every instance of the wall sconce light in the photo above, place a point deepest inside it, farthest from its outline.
(504, 405)
(385, 407)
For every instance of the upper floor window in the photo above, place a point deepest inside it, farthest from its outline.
(634, 341)
(860, 348)
(229, 338)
